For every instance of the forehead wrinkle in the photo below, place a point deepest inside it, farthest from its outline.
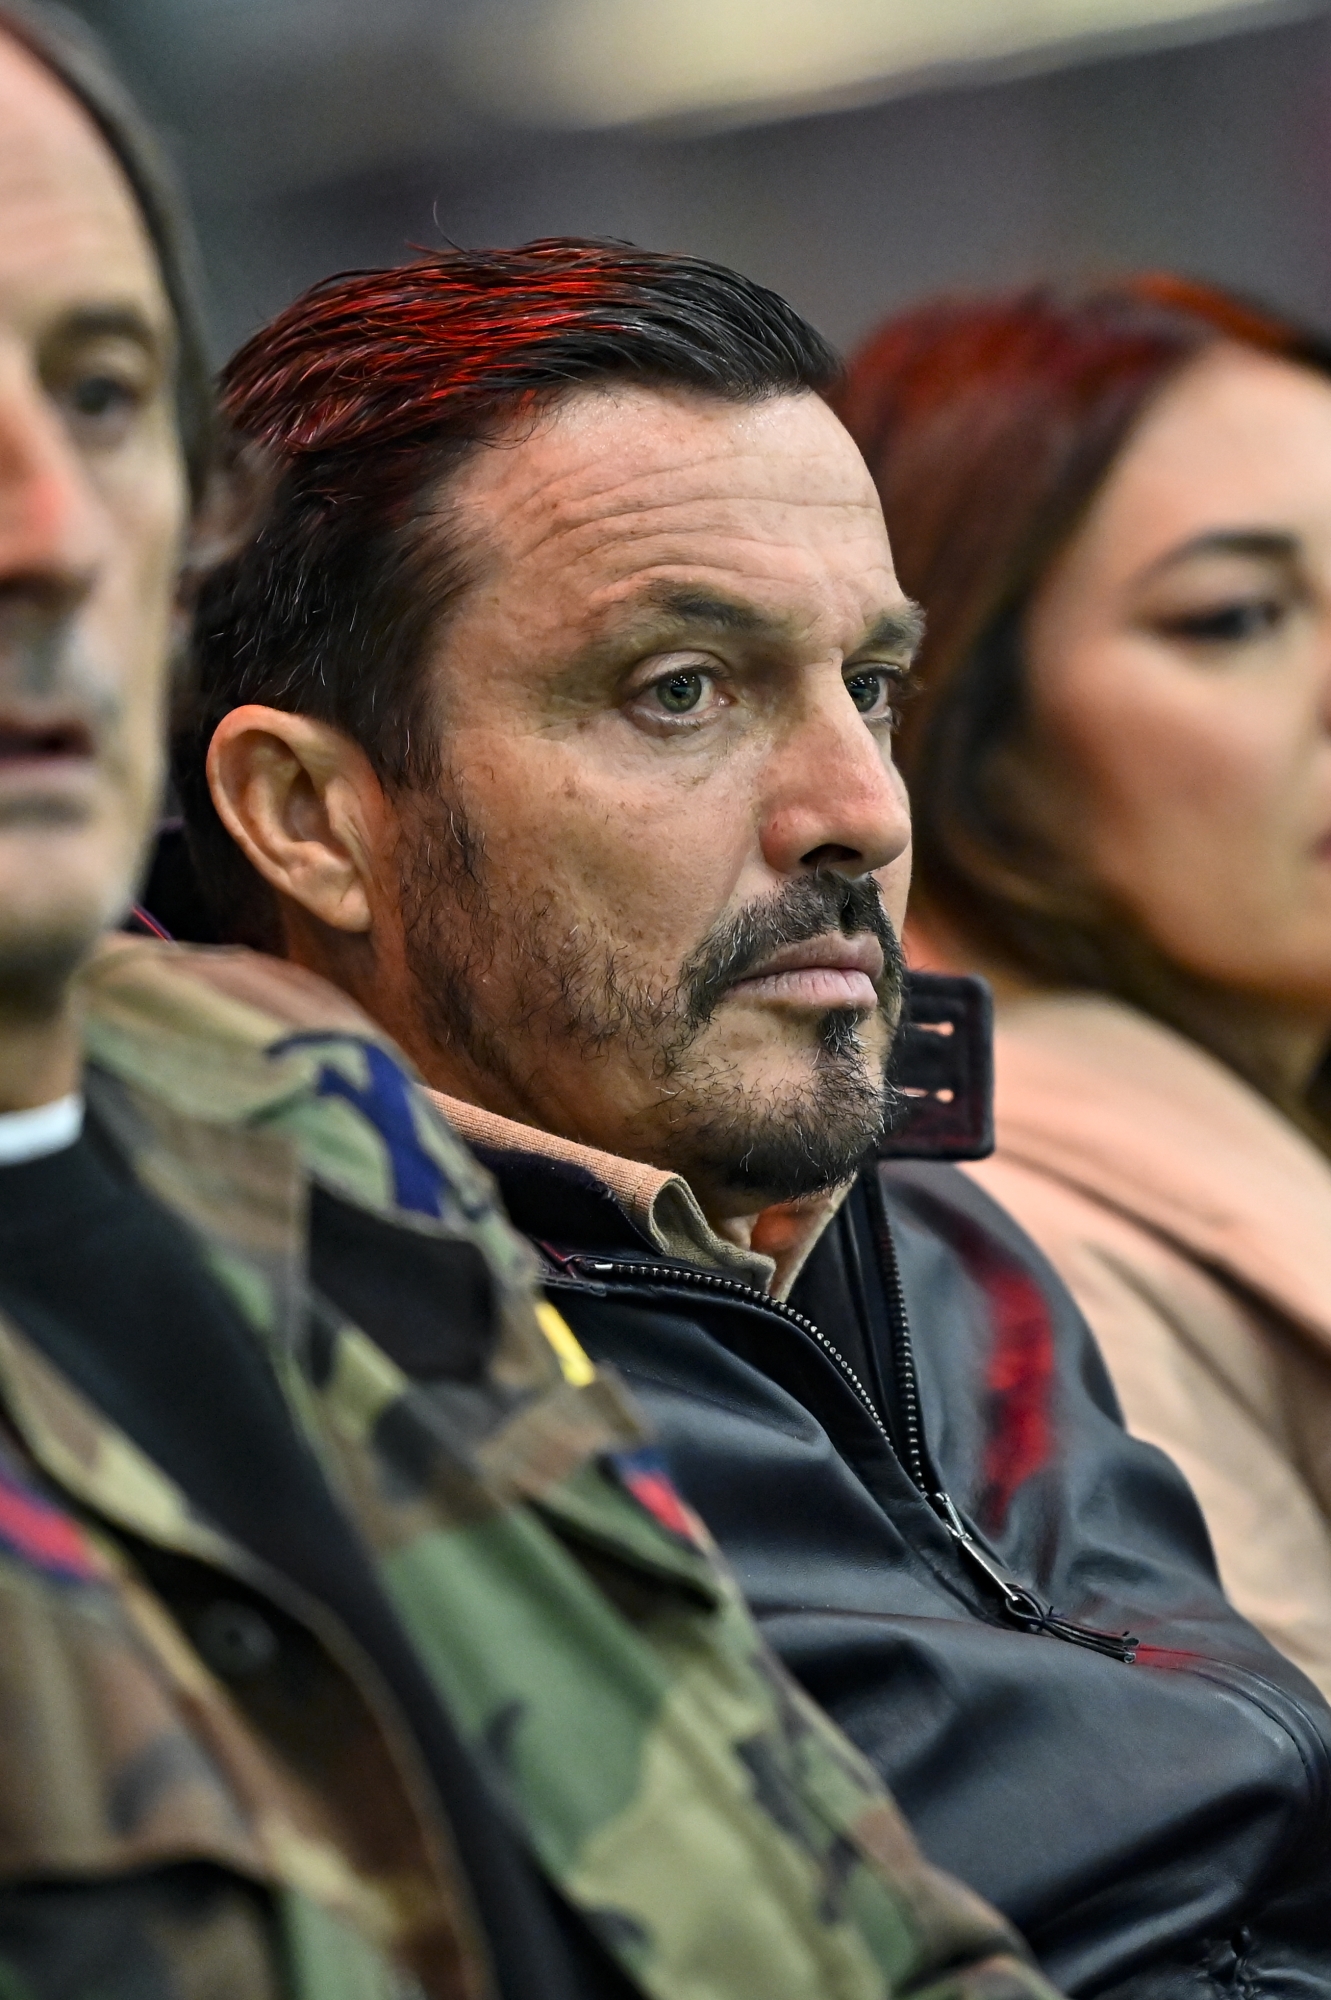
(563, 519)
(644, 580)
(656, 538)
(716, 430)
(711, 573)
(594, 497)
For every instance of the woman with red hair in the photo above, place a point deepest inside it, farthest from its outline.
(1116, 511)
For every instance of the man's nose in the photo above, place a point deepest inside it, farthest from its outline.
(834, 799)
(52, 524)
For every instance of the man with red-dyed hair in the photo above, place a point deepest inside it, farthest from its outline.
(551, 717)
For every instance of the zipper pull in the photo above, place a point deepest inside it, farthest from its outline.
(1020, 1605)
(572, 1262)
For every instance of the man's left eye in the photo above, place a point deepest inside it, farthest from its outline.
(871, 690)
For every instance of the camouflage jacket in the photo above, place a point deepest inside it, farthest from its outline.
(722, 1839)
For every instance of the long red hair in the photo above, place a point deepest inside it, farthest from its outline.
(989, 425)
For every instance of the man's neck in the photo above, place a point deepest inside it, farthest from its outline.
(40, 1055)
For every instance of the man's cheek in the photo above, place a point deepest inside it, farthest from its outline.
(646, 887)
(894, 886)
(142, 703)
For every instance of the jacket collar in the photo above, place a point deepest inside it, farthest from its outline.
(1102, 1097)
(559, 1190)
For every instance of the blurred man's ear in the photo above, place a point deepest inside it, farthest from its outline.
(303, 804)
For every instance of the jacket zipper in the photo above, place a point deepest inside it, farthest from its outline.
(711, 1281)
(1020, 1606)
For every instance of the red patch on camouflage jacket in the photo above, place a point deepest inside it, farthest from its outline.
(644, 1475)
(43, 1536)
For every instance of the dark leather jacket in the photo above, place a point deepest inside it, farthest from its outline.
(1155, 1816)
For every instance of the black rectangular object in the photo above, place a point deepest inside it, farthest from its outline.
(943, 1064)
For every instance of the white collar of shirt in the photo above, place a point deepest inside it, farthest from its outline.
(29, 1135)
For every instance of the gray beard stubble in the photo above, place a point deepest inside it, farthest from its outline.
(577, 992)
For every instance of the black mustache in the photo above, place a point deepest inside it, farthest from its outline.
(807, 909)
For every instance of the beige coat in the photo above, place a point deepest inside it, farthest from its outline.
(1193, 1224)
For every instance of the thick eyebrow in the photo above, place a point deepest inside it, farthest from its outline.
(1260, 544)
(898, 630)
(682, 604)
(110, 322)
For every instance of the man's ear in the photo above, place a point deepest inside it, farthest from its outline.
(303, 804)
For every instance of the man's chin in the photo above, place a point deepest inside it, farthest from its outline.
(794, 1162)
(46, 936)
(785, 1143)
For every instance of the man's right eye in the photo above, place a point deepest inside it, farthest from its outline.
(685, 694)
(681, 692)
(103, 391)
(100, 396)
(101, 405)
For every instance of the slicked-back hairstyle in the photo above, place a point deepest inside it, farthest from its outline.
(67, 48)
(368, 392)
(990, 425)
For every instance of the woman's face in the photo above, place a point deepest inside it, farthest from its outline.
(1179, 661)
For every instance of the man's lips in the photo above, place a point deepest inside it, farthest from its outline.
(36, 745)
(827, 971)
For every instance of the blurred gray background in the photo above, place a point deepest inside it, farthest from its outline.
(315, 135)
